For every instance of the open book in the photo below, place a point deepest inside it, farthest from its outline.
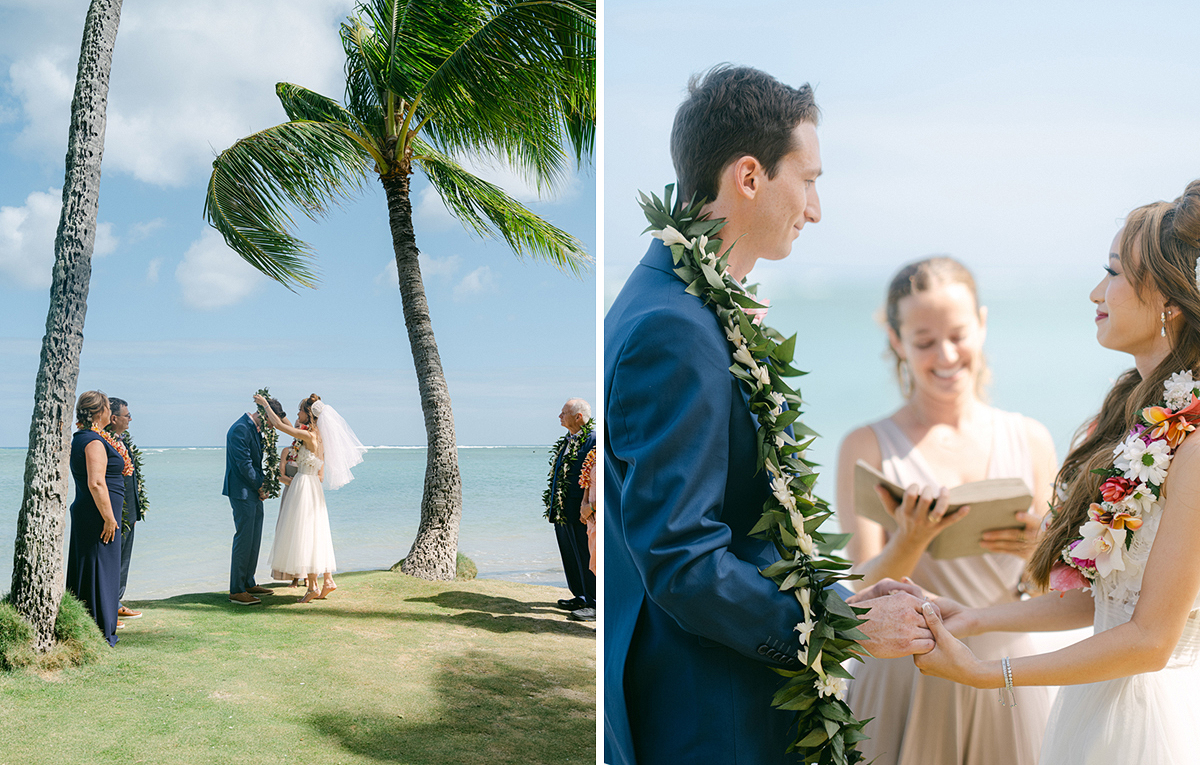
(994, 504)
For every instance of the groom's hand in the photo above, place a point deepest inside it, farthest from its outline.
(887, 587)
(895, 626)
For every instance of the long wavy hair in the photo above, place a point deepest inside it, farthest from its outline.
(1158, 249)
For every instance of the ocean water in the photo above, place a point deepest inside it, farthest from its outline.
(184, 543)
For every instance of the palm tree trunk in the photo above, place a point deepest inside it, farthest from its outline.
(435, 550)
(37, 559)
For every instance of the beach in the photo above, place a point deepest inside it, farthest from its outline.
(183, 545)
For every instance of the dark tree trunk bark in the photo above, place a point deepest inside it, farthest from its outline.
(37, 559)
(435, 550)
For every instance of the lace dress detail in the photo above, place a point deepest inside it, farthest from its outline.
(1150, 718)
(303, 544)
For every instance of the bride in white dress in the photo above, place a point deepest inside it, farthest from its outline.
(1126, 526)
(328, 449)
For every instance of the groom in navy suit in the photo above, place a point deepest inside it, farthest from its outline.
(693, 629)
(243, 485)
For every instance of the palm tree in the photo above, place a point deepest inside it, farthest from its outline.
(426, 81)
(37, 558)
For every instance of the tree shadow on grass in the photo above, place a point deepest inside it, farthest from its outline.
(470, 609)
(490, 711)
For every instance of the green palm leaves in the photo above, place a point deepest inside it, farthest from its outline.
(426, 81)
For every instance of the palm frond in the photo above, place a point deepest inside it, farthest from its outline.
(506, 84)
(303, 104)
(257, 181)
(365, 92)
(488, 211)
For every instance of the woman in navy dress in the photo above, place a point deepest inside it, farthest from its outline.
(94, 554)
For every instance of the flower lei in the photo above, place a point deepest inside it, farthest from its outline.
(118, 447)
(270, 451)
(555, 512)
(827, 730)
(1132, 486)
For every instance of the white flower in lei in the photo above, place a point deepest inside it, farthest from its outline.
(826, 729)
(1178, 388)
(1141, 461)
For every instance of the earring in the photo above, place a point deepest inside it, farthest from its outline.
(906, 380)
(1163, 318)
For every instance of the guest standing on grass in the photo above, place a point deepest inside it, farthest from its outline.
(243, 485)
(94, 551)
(134, 505)
(564, 500)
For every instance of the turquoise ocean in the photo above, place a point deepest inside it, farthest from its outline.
(183, 545)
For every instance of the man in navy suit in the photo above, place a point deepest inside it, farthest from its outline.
(243, 485)
(692, 629)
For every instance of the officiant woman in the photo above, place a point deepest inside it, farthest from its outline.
(944, 436)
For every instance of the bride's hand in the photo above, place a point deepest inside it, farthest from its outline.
(950, 658)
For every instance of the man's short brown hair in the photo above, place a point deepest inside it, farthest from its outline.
(732, 112)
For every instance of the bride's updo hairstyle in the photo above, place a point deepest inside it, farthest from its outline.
(1159, 249)
(306, 406)
(922, 276)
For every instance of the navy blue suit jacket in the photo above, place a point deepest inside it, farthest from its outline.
(692, 629)
(243, 460)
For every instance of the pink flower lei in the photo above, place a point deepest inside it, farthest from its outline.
(1132, 487)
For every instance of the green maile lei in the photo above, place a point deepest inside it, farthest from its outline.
(270, 450)
(554, 505)
(135, 454)
(826, 729)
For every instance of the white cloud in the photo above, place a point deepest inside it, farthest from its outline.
(213, 276)
(152, 270)
(430, 213)
(430, 267)
(478, 282)
(185, 81)
(140, 231)
(27, 239)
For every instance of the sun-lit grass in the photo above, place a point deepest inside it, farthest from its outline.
(389, 669)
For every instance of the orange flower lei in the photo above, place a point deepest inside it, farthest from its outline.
(585, 472)
(116, 444)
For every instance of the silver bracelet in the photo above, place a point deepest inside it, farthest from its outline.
(1006, 668)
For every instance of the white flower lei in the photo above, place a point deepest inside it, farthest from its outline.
(827, 730)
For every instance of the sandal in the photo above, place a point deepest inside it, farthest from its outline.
(326, 590)
(309, 596)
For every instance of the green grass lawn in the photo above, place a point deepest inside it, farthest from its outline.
(389, 669)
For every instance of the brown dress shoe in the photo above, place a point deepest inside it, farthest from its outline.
(260, 590)
(128, 613)
(243, 598)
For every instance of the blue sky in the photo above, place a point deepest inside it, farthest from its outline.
(1011, 135)
(182, 328)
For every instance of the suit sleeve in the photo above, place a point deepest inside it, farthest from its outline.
(240, 445)
(668, 422)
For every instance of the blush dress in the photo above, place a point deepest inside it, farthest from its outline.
(923, 720)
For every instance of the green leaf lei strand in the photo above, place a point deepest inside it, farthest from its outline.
(554, 505)
(135, 454)
(270, 449)
(827, 731)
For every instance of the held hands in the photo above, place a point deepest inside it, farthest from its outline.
(920, 515)
(1019, 541)
(950, 658)
(895, 626)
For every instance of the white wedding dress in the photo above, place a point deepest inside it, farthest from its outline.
(1148, 719)
(303, 544)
